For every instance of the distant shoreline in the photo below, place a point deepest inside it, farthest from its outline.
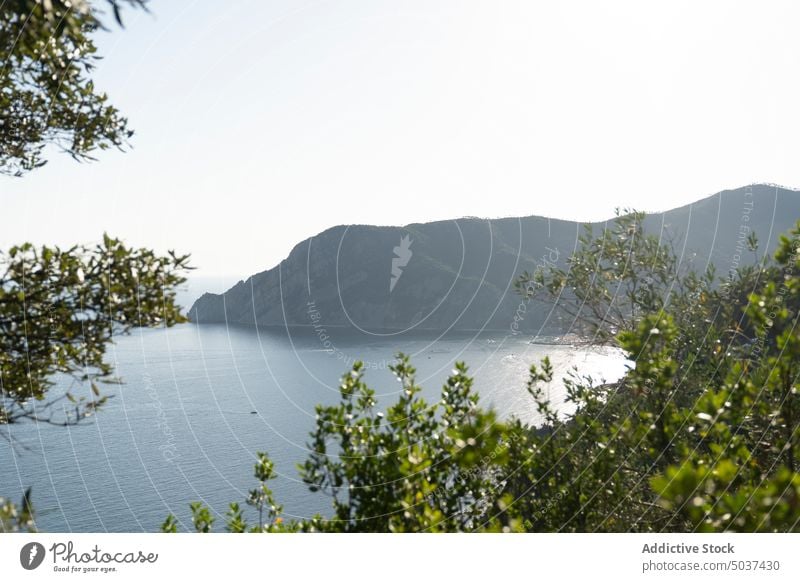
(549, 339)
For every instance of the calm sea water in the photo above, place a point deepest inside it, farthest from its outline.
(199, 401)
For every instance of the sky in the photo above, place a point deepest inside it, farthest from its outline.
(261, 123)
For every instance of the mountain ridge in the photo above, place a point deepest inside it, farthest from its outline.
(459, 273)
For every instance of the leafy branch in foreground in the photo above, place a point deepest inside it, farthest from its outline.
(59, 310)
(47, 96)
(417, 467)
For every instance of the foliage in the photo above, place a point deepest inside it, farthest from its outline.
(701, 434)
(611, 280)
(59, 311)
(742, 475)
(417, 467)
(17, 518)
(47, 96)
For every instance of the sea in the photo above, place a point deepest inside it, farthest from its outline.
(197, 402)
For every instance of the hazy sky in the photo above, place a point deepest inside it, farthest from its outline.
(262, 123)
